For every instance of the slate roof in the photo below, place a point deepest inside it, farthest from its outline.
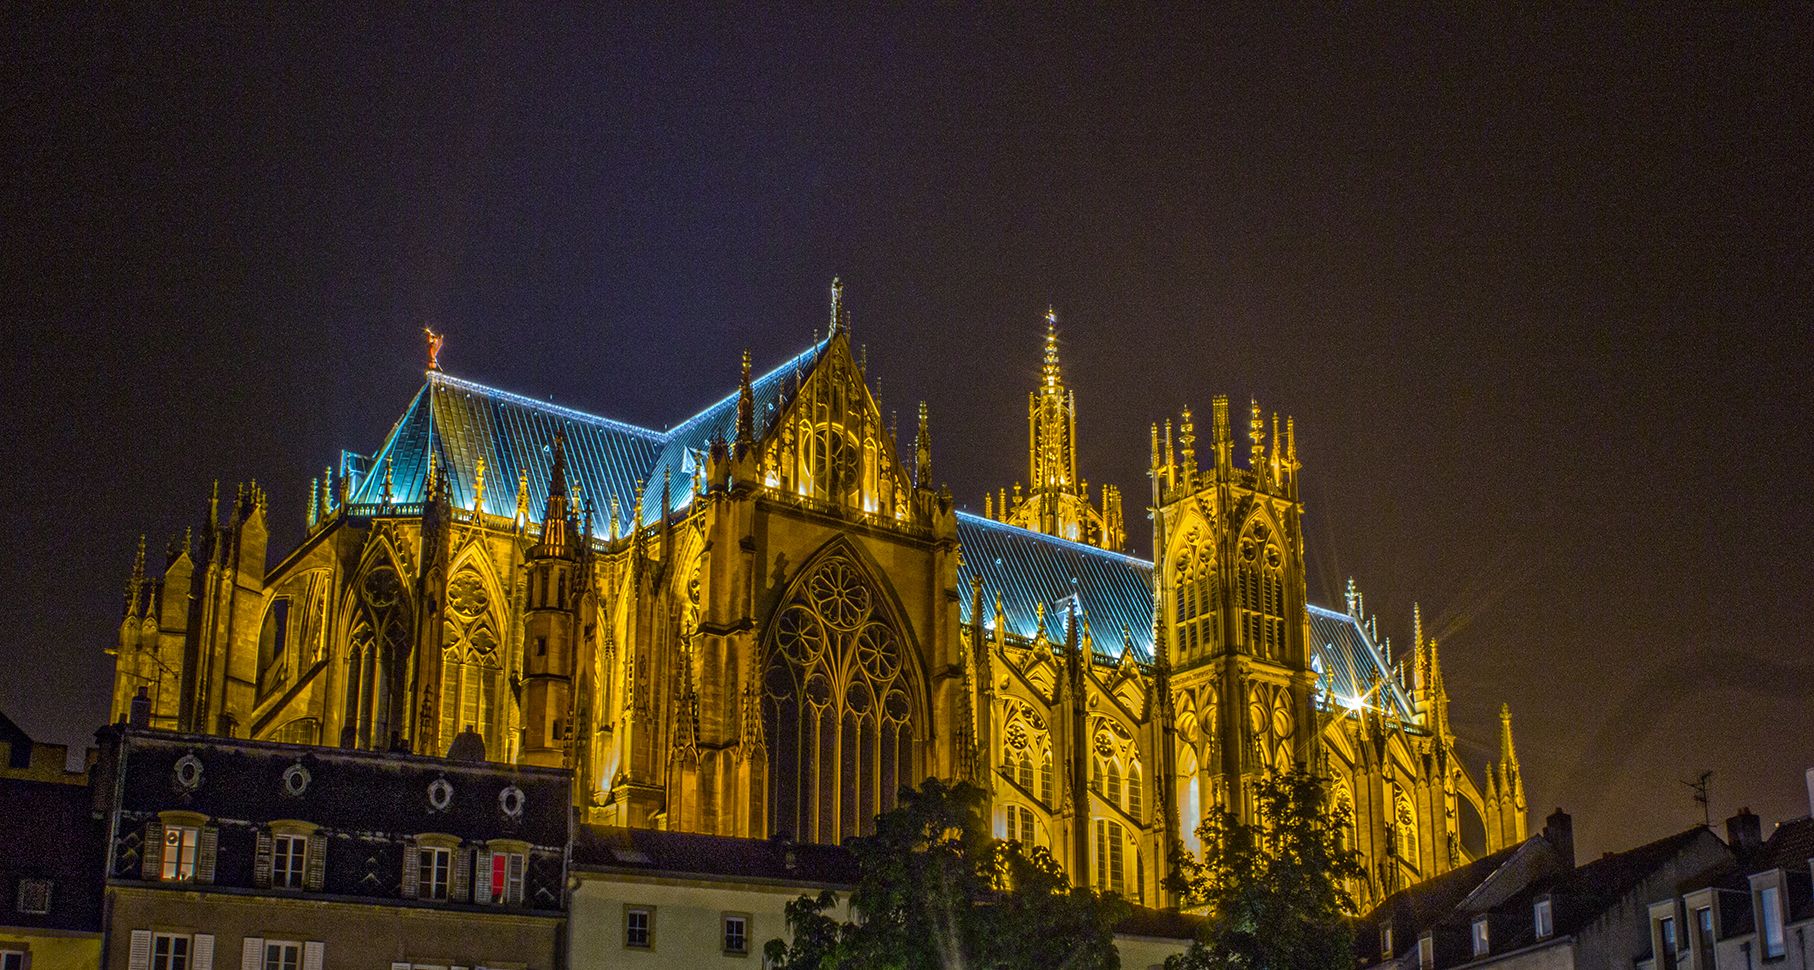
(1416, 908)
(1031, 569)
(51, 831)
(604, 848)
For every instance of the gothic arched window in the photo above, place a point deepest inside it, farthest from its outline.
(470, 664)
(1407, 831)
(1194, 584)
(1260, 593)
(839, 701)
(377, 650)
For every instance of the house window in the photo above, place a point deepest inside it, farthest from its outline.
(1480, 936)
(1666, 933)
(1385, 942)
(506, 878)
(12, 960)
(736, 934)
(1426, 952)
(282, 955)
(169, 951)
(1770, 917)
(180, 843)
(639, 927)
(34, 896)
(287, 855)
(434, 865)
(1545, 916)
(1703, 931)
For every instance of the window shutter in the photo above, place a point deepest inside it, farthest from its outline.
(513, 882)
(461, 890)
(151, 857)
(481, 887)
(261, 860)
(208, 846)
(252, 953)
(201, 952)
(312, 952)
(316, 855)
(399, 966)
(410, 865)
(139, 957)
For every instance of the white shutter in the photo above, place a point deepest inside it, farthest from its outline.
(513, 880)
(312, 952)
(202, 952)
(399, 966)
(252, 953)
(140, 954)
(481, 885)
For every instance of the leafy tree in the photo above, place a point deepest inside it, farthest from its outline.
(1273, 890)
(935, 891)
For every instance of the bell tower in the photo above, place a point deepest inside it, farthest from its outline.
(1230, 622)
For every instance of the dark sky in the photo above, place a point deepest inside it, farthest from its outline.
(1537, 288)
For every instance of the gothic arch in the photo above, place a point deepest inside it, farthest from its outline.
(473, 651)
(843, 697)
(376, 625)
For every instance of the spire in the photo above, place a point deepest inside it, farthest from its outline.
(478, 487)
(746, 407)
(1353, 596)
(1416, 626)
(522, 497)
(136, 583)
(1187, 442)
(922, 452)
(1221, 433)
(1508, 755)
(840, 317)
(389, 492)
(1256, 435)
(554, 509)
(1053, 378)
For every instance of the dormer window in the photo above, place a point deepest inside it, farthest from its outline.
(1770, 921)
(1385, 942)
(1544, 917)
(1480, 936)
(1426, 952)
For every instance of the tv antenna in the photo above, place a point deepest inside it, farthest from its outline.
(1699, 786)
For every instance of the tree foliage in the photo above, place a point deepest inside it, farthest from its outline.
(936, 891)
(1273, 890)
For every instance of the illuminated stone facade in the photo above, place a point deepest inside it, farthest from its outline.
(767, 618)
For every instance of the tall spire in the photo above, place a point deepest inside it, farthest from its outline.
(1053, 378)
(136, 584)
(1256, 435)
(1508, 755)
(840, 317)
(922, 452)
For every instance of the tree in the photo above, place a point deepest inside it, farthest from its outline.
(935, 891)
(1273, 890)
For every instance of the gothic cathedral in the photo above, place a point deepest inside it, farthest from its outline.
(770, 618)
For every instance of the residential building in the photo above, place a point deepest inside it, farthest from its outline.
(50, 874)
(276, 856)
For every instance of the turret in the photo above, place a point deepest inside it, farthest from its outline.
(549, 627)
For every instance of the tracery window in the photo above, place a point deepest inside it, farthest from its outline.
(1027, 752)
(839, 701)
(377, 647)
(1194, 595)
(1260, 592)
(1406, 830)
(1190, 799)
(470, 663)
(1115, 768)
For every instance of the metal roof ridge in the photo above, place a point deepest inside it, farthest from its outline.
(438, 377)
(1035, 534)
(731, 398)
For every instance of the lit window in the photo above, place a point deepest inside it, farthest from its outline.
(1426, 952)
(1385, 942)
(282, 955)
(434, 866)
(1480, 936)
(506, 878)
(34, 896)
(736, 935)
(1545, 917)
(169, 951)
(1703, 930)
(12, 960)
(179, 852)
(1769, 908)
(287, 855)
(1666, 932)
(639, 927)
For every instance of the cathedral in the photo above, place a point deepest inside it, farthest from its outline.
(770, 618)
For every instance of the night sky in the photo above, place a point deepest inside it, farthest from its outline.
(1538, 290)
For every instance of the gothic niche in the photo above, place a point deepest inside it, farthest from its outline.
(838, 699)
(470, 664)
(377, 649)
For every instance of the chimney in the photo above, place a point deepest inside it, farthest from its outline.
(1559, 830)
(1744, 833)
(140, 717)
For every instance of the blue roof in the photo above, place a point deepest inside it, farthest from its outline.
(1351, 662)
(1031, 569)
